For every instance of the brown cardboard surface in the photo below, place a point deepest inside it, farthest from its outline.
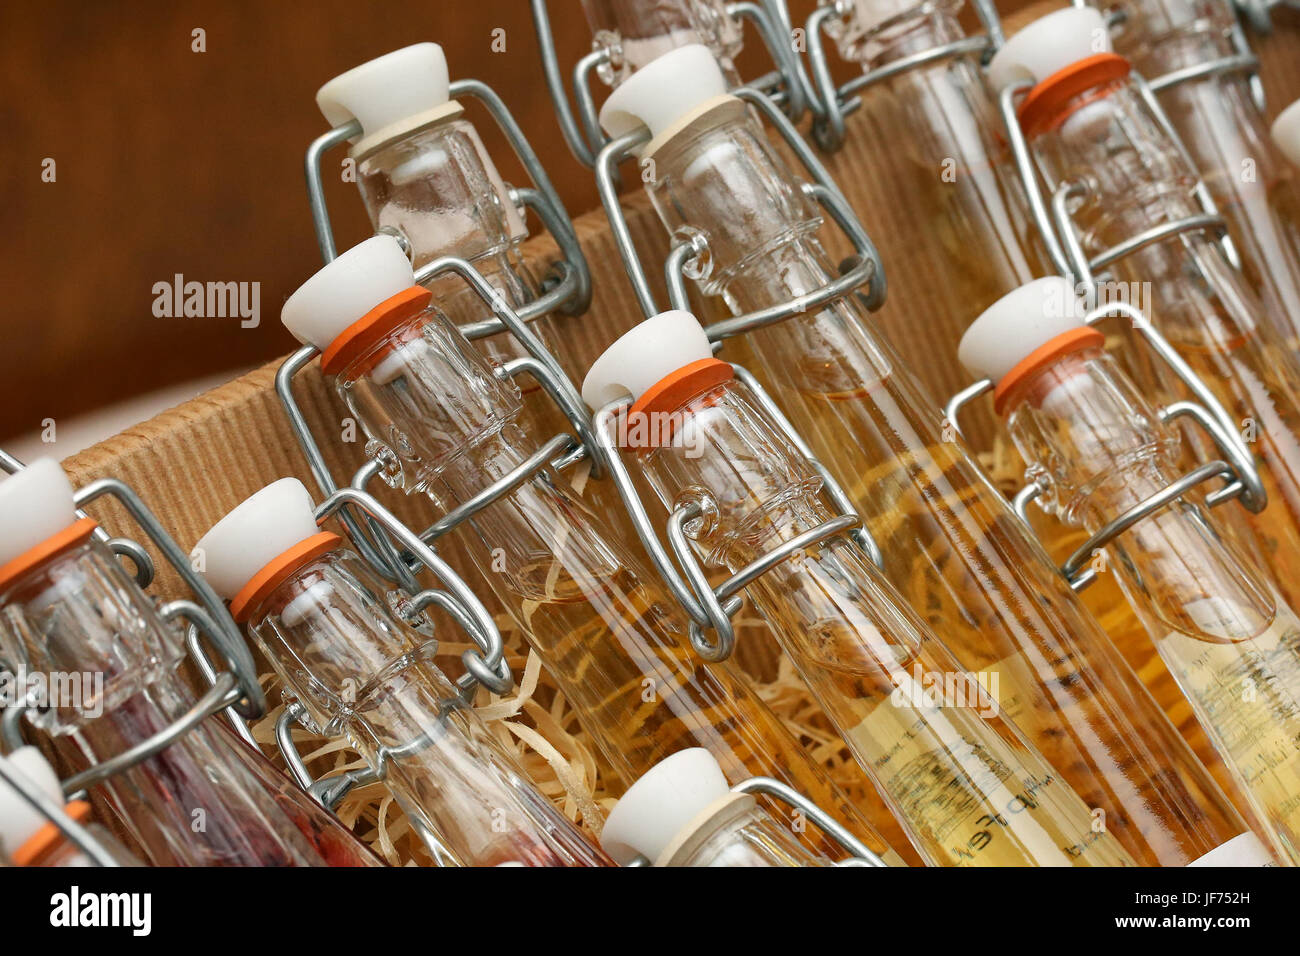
(194, 462)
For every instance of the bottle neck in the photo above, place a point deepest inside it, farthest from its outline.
(644, 32)
(437, 187)
(1100, 449)
(1111, 145)
(87, 639)
(878, 32)
(735, 831)
(425, 397)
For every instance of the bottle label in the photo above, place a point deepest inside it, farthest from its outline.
(969, 797)
(1247, 694)
(1245, 849)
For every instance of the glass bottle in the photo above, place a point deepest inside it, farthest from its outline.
(425, 176)
(1088, 127)
(683, 813)
(67, 607)
(641, 32)
(614, 644)
(952, 545)
(930, 133)
(322, 619)
(1097, 447)
(964, 783)
(1225, 133)
(27, 838)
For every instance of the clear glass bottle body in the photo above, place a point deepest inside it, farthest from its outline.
(195, 803)
(614, 643)
(952, 545)
(437, 186)
(967, 786)
(646, 31)
(931, 132)
(359, 671)
(1225, 633)
(1134, 180)
(1216, 118)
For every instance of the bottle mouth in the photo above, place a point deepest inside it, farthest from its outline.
(364, 340)
(1053, 100)
(1050, 352)
(52, 547)
(278, 570)
(650, 418)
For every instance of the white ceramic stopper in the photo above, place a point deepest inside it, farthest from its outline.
(662, 803)
(387, 90)
(663, 91)
(346, 289)
(1286, 132)
(1049, 45)
(259, 530)
(35, 504)
(19, 821)
(657, 347)
(1019, 322)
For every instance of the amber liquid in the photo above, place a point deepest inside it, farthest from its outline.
(959, 555)
(969, 789)
(619, 655)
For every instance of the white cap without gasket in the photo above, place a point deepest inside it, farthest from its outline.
(346, 289)
(255, 533)
(662, 803)
(19, 820)
(1049, 45)
(657, 347)
(663, 91)
(1017, 324)
(35, 504)
(387, 90)
(1286, 132)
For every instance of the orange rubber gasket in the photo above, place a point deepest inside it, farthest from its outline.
(48, 837)
(277, 570)
(677, 388)
(1075, 340)
(1052, 100)
(53, 546)
(363, 334)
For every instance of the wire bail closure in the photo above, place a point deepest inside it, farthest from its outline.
(865, 266)
(787, 84)
(835, 103)
(712, 609)
(568, 289)
(1237, 469)
(235, 689)
(374, 540)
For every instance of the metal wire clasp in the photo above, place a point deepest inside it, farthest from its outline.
(864, 269)
(1237, 469)
(711, 609)
(1057, 226)
(568, 289)
(235, 688)
(374, 539)
(859, 853)
(835, 103)
(787, 84)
